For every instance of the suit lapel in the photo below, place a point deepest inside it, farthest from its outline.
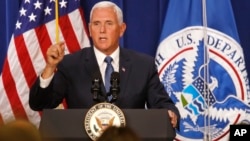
(91, 65)
(124, 69)
(90, 61)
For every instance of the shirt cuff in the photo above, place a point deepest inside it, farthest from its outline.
(44, 83)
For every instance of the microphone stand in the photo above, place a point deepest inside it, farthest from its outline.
(96, 88)
(114, 88)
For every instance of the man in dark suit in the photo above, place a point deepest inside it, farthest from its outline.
(70, 76)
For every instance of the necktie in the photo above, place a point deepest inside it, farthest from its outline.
(108, 71)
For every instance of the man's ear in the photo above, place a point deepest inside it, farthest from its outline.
(123, 28)
(89, 30)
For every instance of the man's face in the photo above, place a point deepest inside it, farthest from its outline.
(105, 29)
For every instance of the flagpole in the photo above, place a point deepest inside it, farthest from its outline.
(207, 135)
(60, 106)
(57, 20)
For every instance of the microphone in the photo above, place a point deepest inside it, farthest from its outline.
(96, 86)
(114, 88)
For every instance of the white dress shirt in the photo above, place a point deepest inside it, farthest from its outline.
(102, 64)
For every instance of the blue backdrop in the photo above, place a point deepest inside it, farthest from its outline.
(144, 20)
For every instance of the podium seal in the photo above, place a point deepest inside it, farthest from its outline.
(101, 116)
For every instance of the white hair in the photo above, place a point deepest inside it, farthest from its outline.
(105, 4)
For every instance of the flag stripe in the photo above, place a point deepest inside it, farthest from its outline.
(50, 26)
(25, 61)
(12, 94)
(6, 109)
(35, 48)
(68, 33)
(43, 39)
(83, 39)
(85, 31)
(34, 54)
(21, 86)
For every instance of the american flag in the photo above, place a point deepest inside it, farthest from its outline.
(35, 31)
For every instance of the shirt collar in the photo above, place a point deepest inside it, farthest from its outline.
(101, 56)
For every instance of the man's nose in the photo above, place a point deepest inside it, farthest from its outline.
(102, 28)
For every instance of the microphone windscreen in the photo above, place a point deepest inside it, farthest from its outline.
(115, 75)
(96, 75)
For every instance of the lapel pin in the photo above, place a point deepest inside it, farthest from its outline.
(123, 69)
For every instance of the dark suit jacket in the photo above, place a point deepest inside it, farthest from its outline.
(139, 83)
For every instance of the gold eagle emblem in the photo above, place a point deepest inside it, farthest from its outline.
(104, 123)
